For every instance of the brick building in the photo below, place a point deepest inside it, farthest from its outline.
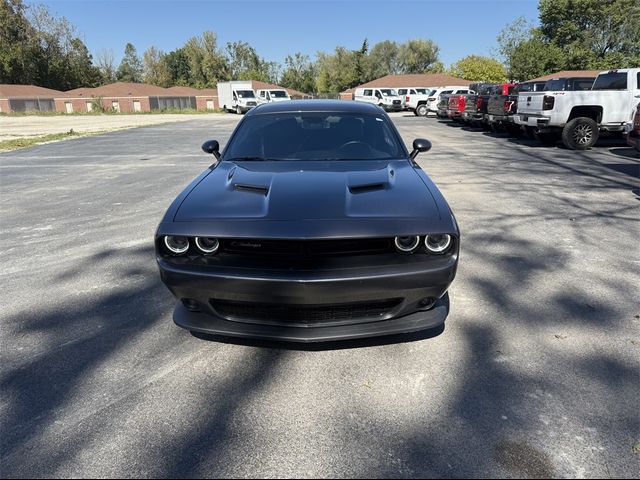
(23, 98)
(124, 97)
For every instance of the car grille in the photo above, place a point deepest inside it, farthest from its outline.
(288, 314)
(396, 102)
(251, 104)
(307, 248)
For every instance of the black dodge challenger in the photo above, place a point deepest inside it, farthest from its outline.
(314, 224)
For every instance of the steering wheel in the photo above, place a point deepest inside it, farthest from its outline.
(354, 142)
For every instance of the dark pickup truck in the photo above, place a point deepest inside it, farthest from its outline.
(501, 108)
(473, 107)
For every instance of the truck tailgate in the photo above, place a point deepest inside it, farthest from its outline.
(530, 103)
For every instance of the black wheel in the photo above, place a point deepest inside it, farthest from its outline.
(415, 112)
(421, 110)
(547, 138)
(238, 110)
(580, 133)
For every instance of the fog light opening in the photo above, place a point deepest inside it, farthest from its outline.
(191, 304)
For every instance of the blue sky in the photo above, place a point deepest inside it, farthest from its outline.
(277, 28)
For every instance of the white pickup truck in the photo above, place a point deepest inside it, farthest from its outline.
(385, 98)
(579, 116)
(423, 103)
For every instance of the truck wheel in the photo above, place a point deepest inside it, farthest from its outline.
(580, 133)
(421, 110)
(238, 110)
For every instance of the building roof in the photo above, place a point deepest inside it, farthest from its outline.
(568, 73)
(121, 89)
(180, 90)
(258, 85)
(25, 91)
(414, 80)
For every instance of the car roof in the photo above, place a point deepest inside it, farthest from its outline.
(315, 106)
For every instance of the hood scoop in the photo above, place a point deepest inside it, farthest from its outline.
(259, 189)
(370, 187)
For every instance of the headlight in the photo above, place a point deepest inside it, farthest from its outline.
(207, 244)
(437, 243)
(176, 245)
(407, 244)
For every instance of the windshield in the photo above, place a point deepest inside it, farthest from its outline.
(387, 92)
(245, 93)
(422, 91)
(314, 136)
(278, 93)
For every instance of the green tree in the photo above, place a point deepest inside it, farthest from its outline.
(603, 33)
(510, 38)
(178, 66)
(245, 64)
(383, 60)
(475, 67)
(207, 64)
(361, 60)
(299, 73)
(534, 58)
(417, 56)
(337, 71)
(131, 68)
(18, 48)
(156, 69)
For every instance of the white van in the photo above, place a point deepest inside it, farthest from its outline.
(386, 98)
(270, 95)
(236, 96)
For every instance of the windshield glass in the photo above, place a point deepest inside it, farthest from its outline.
(278, 93)
(245, 93)
(422, 91)
(387, 92)
(315, 136)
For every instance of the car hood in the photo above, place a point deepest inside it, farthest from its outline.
(295, 191)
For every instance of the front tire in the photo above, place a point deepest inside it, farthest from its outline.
(238, 110)
(580, 133)
(421, 110)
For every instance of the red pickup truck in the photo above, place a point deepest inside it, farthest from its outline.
(456, 107)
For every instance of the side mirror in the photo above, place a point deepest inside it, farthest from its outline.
(212, 147)
(420, 145)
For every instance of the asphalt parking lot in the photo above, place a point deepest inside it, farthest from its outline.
(537, 373)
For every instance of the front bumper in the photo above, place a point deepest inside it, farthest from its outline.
(415, 288)
(392, 108)
(203, 323)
